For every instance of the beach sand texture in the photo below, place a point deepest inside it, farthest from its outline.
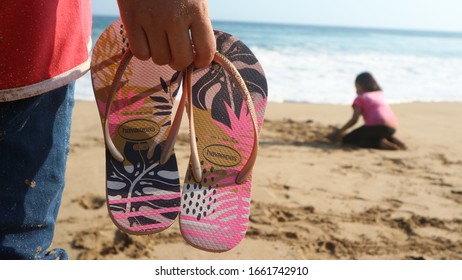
(311, 199)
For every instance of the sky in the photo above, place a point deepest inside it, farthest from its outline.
(432, 15)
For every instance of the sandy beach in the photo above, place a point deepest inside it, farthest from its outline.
(311, 199)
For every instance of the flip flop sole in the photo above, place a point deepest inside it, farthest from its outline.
(215, 211)
(143, 196)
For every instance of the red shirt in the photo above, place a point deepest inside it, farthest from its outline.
(44, 44)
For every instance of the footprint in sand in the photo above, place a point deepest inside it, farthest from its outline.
(97, 243)
(395, 203)
(326, 247)
(91, 202)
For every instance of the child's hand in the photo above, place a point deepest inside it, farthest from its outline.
(336, 135)
(159, 29)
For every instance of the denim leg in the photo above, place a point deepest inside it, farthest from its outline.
(34, 144)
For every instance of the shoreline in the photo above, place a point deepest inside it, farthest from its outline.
(333, 104)
(311, 199)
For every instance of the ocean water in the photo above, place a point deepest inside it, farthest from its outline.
(318, 64)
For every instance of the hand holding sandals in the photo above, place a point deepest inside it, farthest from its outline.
(163, 30)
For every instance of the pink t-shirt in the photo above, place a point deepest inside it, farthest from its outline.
(375, 110)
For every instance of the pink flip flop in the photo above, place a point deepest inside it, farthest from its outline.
(226, 105)
(135, 100)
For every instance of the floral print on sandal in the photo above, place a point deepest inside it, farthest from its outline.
(226, 112)
(135, 101)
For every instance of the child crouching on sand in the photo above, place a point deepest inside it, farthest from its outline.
(380, 121)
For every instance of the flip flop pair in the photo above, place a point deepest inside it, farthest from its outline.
(225, 104)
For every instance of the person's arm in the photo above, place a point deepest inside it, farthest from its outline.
(163, 30)
(337, 135)
(354, 119)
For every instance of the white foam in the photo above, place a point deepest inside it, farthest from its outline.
(84, 88)
(298, 74)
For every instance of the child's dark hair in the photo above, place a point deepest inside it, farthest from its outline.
(367, 82)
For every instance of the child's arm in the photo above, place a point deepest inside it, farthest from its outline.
(337, 135)
(160, 29)
(354, 119)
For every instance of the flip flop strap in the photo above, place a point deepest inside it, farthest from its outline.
(116, 154)
(175, 127)
(127, 56)
(194, 158)
(229, 67)
(173, 132)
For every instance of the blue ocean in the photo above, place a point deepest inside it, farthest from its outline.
(318, 64)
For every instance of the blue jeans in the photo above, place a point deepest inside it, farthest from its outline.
(34, 144)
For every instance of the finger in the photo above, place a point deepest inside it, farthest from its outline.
(204, 43)
(138, 42)
(180, 48)
(160, 50)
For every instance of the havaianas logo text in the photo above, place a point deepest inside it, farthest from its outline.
(139, 130)
(222, 155)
